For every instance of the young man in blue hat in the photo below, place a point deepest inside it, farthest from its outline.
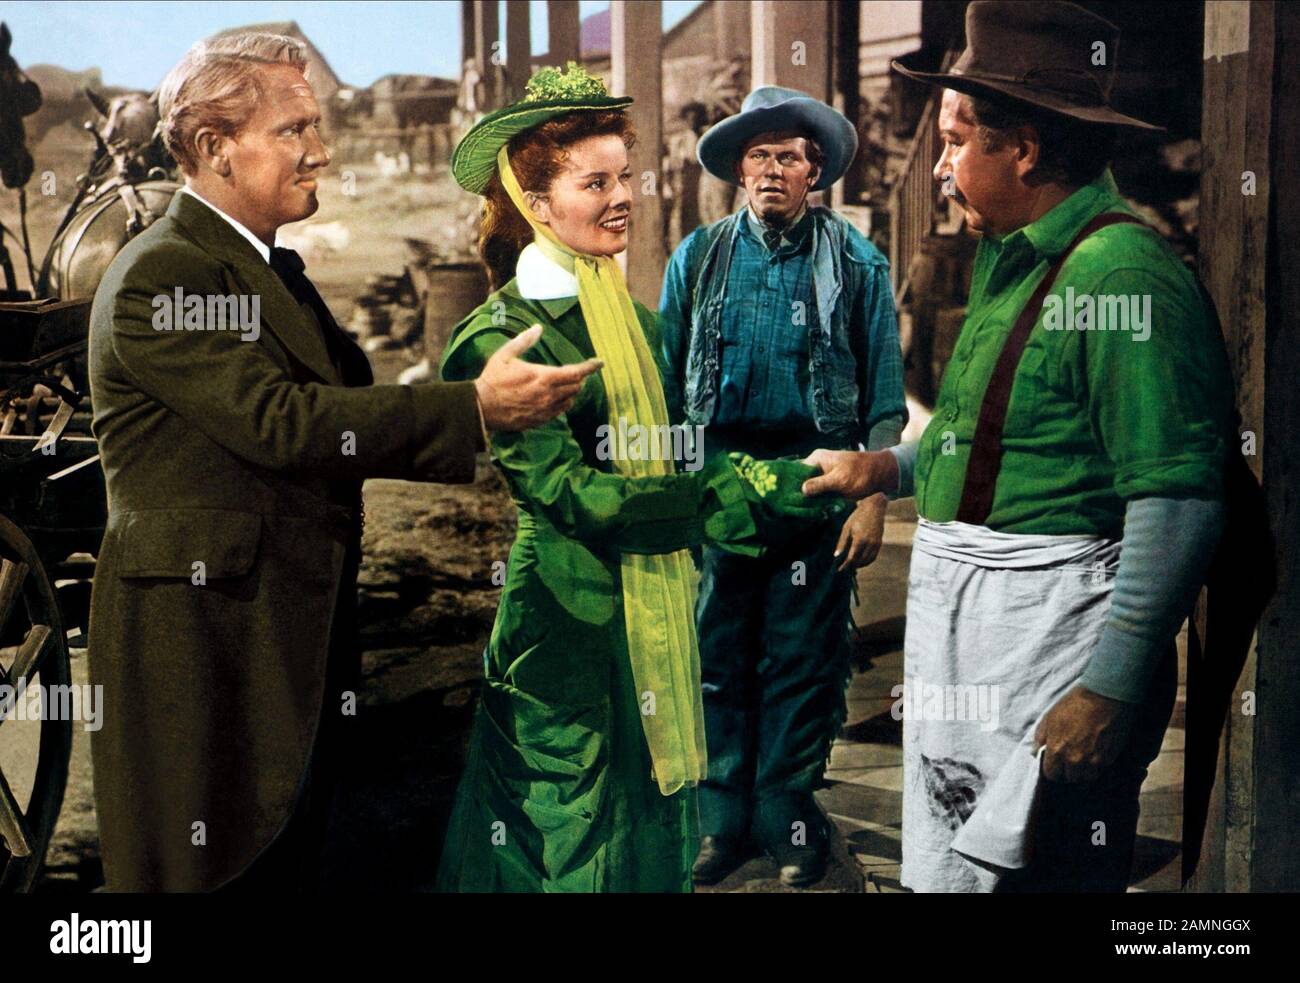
(780, 336)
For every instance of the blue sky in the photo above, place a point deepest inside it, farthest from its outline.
(134, 43)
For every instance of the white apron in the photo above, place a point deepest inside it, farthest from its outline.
(999, 627)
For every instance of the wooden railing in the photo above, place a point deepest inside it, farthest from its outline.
(911, 201)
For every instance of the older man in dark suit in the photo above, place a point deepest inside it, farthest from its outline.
(236, 423)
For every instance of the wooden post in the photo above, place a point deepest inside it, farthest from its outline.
(466, 33)
(1248, 252)
(564, 32)
(635, 48)
(791, 46)
(1275, 861)
(519, 50)
(487, 50)
(846, 43)
(762, 26)
(723, 46)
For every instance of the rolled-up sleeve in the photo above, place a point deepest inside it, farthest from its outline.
(1158, 393)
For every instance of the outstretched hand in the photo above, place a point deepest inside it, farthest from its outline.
(853, 474)
(515, 395)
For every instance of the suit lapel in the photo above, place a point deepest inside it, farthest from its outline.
(292, 325)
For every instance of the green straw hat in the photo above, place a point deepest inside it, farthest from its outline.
(548, 94)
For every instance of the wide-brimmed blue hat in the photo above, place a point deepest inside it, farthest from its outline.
(771, 108)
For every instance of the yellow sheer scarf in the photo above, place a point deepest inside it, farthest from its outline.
(658, 590)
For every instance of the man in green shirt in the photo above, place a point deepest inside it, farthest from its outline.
(1030, 644)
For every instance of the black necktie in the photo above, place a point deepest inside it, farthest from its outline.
(771, 239)
(289, 267)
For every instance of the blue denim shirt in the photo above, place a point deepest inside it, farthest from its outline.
(763, 376)
(842, 343)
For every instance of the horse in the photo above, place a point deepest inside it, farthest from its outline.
(128, 128)
(127, 186)
(19, 97)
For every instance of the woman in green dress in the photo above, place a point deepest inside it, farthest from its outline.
(589, 736)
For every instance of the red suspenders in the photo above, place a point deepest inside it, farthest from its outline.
(986, 446)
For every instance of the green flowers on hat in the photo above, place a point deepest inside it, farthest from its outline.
(574, 83)
(548, 94)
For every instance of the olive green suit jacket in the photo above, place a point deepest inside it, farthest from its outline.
(233, 466)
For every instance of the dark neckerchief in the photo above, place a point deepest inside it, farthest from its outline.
(772, 236)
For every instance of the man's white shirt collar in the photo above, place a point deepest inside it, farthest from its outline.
(539, 277)
(262, 248)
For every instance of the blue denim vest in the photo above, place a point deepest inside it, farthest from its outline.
(835, 342)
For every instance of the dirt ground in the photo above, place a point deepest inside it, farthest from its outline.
(426, 597)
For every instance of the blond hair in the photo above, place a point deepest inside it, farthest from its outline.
(216, 85)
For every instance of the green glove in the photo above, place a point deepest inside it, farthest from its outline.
(774, 491)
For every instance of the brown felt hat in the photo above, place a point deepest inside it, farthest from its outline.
(1043, 54)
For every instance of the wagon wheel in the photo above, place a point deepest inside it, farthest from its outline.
(33, 753)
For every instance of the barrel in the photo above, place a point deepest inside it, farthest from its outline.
(455, 289)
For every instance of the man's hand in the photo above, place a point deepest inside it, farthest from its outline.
(853, 474)
(515, 395)
(1084, 732)
(863, 532)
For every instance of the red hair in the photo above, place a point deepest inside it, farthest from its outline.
(536, 157)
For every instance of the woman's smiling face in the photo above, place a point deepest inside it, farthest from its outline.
(590, 200)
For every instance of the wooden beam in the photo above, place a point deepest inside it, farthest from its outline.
(1246, 255)
(12, 575)
(1271, 847)
(636, 45)
(518, 49)
(791, 45)
(27, 660)
(466, 33)
(487, 50)
(563, 31)
(763, 57)
(723, 46)
(14, 830)
(845, 45)
(1226, 90)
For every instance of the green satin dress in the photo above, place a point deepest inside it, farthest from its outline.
(557, 793)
